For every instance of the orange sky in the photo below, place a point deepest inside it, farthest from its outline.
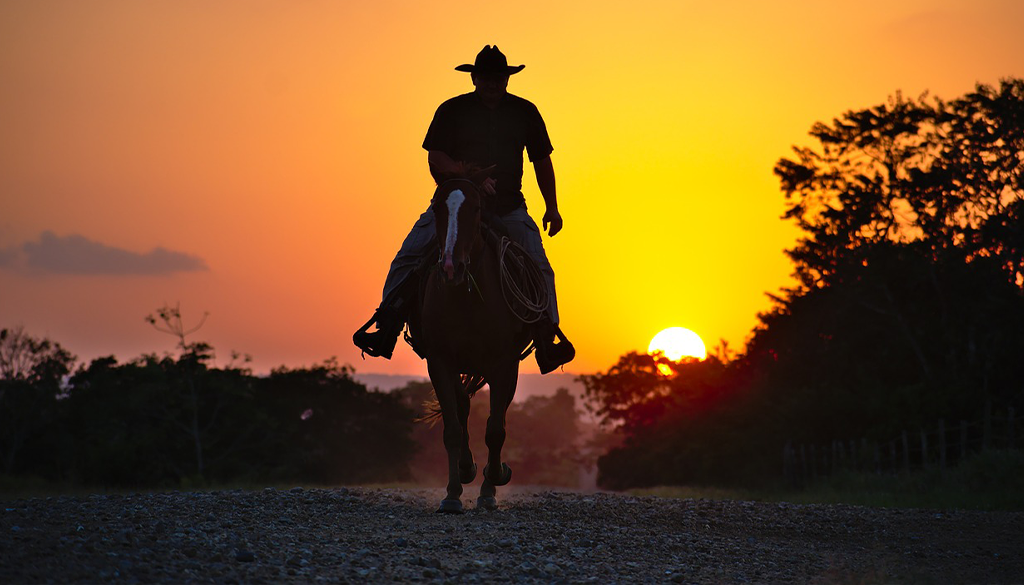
(272, 150)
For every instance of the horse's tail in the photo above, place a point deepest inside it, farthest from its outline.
(432, 408)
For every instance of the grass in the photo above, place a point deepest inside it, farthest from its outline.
(989, 481)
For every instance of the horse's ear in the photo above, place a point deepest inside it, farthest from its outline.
(479, 176)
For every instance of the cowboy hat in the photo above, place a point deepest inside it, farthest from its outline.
(490, 61)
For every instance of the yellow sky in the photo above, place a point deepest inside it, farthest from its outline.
(278, 145)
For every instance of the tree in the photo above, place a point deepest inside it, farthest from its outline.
(912, 253)
(336, 430)
(945, 174)
(32, 372)
(190, 366)
(908, 305)
(691, 424)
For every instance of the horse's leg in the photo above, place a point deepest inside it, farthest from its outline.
(467, 467)
(497, 473)
(447, 386)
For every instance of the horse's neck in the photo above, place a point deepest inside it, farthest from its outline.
(483, 265)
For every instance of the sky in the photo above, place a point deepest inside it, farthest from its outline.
(260, 161)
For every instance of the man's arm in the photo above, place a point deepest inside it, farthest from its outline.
(443, 165)
(546, 181)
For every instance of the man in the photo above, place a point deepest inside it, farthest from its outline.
(485, 128)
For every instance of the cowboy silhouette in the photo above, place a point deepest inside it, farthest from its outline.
(487, 127)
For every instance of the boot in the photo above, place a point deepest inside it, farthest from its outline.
(551, 355)
(380, 343)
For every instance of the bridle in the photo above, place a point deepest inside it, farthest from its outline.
(447, 187)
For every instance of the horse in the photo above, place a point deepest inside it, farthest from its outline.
(469, 335)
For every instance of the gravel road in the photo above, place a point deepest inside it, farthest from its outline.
(387, 535)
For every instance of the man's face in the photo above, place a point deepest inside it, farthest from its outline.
(490, 85)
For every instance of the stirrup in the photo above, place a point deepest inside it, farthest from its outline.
(379, 343)
(551, 356)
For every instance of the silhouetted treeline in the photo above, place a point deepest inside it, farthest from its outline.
(174, 421)
(165, 421)
(908, 306)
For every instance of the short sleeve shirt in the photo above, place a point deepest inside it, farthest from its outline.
(467, 130)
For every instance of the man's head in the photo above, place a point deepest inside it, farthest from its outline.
(490, 86)
(490, 72)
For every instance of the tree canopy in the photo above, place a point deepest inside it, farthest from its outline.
(946, 176)
(179, 420)
(908, 304)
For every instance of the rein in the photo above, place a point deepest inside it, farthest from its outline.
(455, 180)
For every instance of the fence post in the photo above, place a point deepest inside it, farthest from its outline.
(835, 460)
(906, 452)
(864, 455)
(878, 459)
(942, 444)
(814, 462)
(1011, 438)
(963, 440)
(986, 427)
(803, 463)
(785, 462)
(893, 466)
(924, 448)
(789, 464)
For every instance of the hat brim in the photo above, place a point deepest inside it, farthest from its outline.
(509, 70)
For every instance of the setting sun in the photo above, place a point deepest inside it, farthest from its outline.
(677, 343)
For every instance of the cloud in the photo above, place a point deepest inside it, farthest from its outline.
(76, 254)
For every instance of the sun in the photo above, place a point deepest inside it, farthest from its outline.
(677, 343)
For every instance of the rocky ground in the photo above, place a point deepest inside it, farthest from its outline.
(386, 535)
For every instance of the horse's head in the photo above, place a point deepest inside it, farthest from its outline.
(456, 204)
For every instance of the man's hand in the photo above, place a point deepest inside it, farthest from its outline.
(554, 219)
(488, 186)
(546, 181)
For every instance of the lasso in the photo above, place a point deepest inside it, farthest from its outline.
(526, 298)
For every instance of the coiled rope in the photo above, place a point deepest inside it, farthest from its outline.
(527, 295)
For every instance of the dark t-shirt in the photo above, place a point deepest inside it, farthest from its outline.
(467, 130)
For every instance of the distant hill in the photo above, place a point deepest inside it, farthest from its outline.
(529, 384)
(386, 382)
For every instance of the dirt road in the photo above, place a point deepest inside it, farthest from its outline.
(387, 535)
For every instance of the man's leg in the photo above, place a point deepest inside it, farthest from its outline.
(391, 315)
(550, 355)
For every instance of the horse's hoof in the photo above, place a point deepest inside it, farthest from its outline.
(506, 475)
(467, 475)
(450, 507)
(487, 503)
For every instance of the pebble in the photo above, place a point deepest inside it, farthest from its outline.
(370, 535)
